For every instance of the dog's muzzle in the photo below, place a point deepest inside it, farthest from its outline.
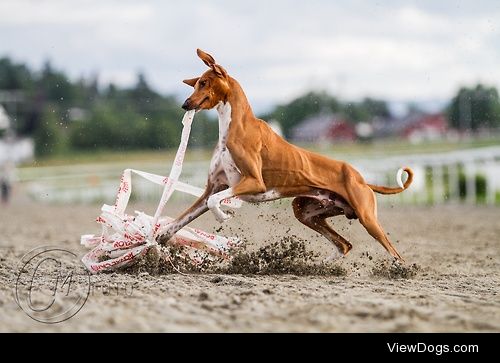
(187, 105)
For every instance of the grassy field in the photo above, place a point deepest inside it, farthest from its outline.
(338, 150)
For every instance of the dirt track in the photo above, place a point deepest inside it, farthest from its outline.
(456, 249)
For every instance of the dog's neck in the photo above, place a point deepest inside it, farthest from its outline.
(225, 118)
(235, 113)
(241, 111)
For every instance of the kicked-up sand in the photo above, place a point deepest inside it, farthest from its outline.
(450, 282)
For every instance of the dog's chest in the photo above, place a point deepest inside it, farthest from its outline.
(222, 164)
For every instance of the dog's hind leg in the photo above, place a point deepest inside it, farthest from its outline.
(313, 214)
(364, 202)
(373, 227)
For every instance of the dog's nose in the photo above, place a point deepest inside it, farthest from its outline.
(187, 104)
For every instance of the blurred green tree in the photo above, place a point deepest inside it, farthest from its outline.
(109, 128)
(15, 76)
(110, 117)
(365, 110)
(475, 108)
(54, 86)
(49, 136)
(313, 103)
(294, 112)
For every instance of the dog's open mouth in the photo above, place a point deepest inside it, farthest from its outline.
(198, 108)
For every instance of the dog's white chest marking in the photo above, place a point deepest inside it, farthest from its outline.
(222, 161)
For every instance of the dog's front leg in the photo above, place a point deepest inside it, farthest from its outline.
(197, 209)
(247, 185)
(249, 162)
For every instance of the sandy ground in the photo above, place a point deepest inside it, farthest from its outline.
(456, 249)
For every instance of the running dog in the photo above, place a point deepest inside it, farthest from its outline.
(255, 164)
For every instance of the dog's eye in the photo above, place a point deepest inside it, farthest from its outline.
(203, 83)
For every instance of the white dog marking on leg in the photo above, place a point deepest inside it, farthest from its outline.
(214, 204)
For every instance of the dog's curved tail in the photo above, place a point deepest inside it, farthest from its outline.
(386, 190)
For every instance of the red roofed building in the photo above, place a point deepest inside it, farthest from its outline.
(426, 127)
(321, 128)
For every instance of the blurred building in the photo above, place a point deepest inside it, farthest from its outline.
(4, 119)
(16, 150)
(415, 127)
(323, 127)
(13, 149)
(427, 127)
(78, 114)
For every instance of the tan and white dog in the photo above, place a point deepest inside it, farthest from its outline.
(252, 162)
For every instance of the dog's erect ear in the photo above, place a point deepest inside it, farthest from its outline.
(210, 61)
(191, 82)
(221, 72)
(206, 58)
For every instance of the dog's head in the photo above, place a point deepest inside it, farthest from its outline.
(210, 88)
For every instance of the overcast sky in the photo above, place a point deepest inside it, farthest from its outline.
(397, 50)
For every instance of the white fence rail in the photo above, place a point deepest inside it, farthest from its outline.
(99, 183)
(468, 176)
(471, 175)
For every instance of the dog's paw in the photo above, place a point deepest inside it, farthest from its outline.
(164, 238)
